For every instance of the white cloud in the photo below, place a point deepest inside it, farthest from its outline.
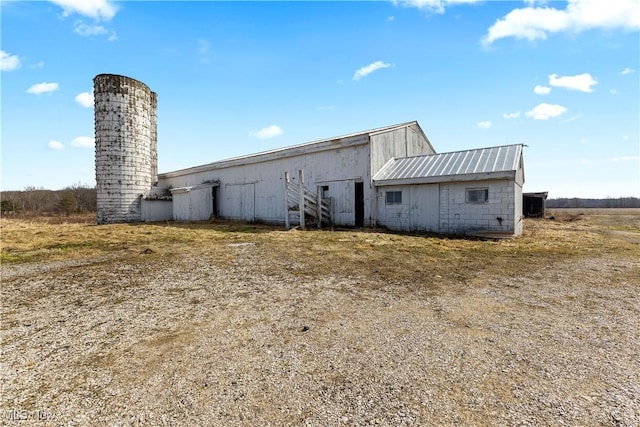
(627, 70)
(545, 111)
(613, 91)
(268, 132)
(541, 90)
(624, 159)
(55, 145)
(433, 6)
(365, 71)
(38, 65)
(484, 125)
(532, 23)
(325, 107)
(85, 99)
(86, 30)
(8, 62)
(514, 115)
(83, 141)
(581, 82)
(391, 18)
(100, 10)
(43, 87)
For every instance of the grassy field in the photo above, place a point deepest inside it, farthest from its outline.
(572, 233)
(228, 323)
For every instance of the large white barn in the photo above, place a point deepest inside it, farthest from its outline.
(390, 177)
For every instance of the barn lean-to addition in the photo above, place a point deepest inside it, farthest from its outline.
(389, 176)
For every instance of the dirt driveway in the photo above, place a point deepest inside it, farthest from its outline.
(228, 335)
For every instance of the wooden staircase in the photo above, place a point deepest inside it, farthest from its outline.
(299, 199)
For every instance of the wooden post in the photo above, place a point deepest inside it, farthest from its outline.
(319, 205)
(286, 201)
(301, 184)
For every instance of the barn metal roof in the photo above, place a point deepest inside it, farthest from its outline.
(359, 138)
(482, 163)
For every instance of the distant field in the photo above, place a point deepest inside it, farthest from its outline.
(597, 211)
(229, 323)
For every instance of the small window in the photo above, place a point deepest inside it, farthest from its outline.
(477, 195)
(394, 197)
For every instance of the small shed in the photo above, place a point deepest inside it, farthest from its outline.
(534, 204)
(195, 203)
(462, 192)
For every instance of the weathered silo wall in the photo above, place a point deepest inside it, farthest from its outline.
(126, 146)
(154, 137)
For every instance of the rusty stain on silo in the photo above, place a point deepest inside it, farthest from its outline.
(126, 146)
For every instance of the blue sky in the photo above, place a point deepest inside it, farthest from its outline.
(236, 78)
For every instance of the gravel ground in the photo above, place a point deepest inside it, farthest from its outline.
(155, 340)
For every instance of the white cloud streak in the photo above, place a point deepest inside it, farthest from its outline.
(536, 23)
(55, 145)
(86, 30)
(268, 132)
(365, 71)
(8, 62)
(627, 70)
(85, 99)
(44, 87)
(432, 6)
(83, 141)
(484, 125)
(514, 115)
(546, 111)
(581, 82)
(541, 90)
(100, 10)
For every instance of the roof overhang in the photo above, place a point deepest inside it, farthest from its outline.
(181, 190)
(488, 176)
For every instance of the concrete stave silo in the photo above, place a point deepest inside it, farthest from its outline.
(126, 146)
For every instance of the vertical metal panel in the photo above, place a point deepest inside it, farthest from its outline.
(424, 207)
(201, 204)
(181, 206)
(156, 210)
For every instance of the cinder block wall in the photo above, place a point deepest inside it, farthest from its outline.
(459, 216)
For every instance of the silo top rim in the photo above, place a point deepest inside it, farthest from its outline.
(129, 79)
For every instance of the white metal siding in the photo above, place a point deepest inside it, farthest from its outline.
(201, 204)
(424, 205)
(181, 207)
(395, 144)
(419, 210)
(256, 191)
(195, 204)
(156, 210)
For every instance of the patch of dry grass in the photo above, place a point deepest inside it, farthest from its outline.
(368, 253)
(204, 324)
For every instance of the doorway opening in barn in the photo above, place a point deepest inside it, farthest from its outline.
(214, 201)
(359, 207)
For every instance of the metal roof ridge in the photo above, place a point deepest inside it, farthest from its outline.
(461, 151)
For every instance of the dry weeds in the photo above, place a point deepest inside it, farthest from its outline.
(240, 324)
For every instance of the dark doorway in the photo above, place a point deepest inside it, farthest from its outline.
(533, 204)
(214, 201)
(359, 204)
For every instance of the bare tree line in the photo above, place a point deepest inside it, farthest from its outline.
(619, 202)
(76, 198)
